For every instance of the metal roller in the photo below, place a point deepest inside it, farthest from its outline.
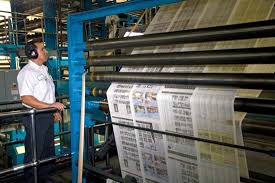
(255, 105)
(249, 105)
(232, 56)
(250, 81)
(98, 92)
(260, 29)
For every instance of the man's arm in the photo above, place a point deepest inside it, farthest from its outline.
(33, 102)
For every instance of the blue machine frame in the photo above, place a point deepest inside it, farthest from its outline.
(10, 50)
(77, 61)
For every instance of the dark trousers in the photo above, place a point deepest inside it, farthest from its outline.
(44, 143)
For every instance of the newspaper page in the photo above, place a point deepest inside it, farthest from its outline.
(213, 116)
(126, 143)
(151, 145)
(182, 159)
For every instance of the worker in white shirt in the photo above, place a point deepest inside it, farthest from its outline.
(36, 89)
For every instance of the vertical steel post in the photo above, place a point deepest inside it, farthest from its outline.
(16, 28)
(92, 147)
(106, 136)
(33, 140)
(88, 143)
(13, 59)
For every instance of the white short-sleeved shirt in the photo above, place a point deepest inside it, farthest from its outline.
(34, 80)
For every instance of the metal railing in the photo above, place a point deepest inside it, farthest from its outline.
(35, 162)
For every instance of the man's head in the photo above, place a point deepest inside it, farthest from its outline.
(36, 52)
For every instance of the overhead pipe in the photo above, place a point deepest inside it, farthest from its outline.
(230, 56)
(260, 29)
(249, 81)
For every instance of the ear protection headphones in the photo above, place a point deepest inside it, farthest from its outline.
(31, 50)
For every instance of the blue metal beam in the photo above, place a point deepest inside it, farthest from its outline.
(77, 60)
(76, 67)
(120, 8)
(49, 10)
(13, 60)
(10, 50)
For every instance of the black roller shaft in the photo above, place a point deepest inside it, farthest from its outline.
(234, 56)
(251, 81)
(98, 92)
(258, 29)
(249, 105)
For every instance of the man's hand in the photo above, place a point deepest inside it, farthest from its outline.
(57, 105)
(57, 116)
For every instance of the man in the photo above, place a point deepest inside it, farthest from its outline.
(37, 90)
